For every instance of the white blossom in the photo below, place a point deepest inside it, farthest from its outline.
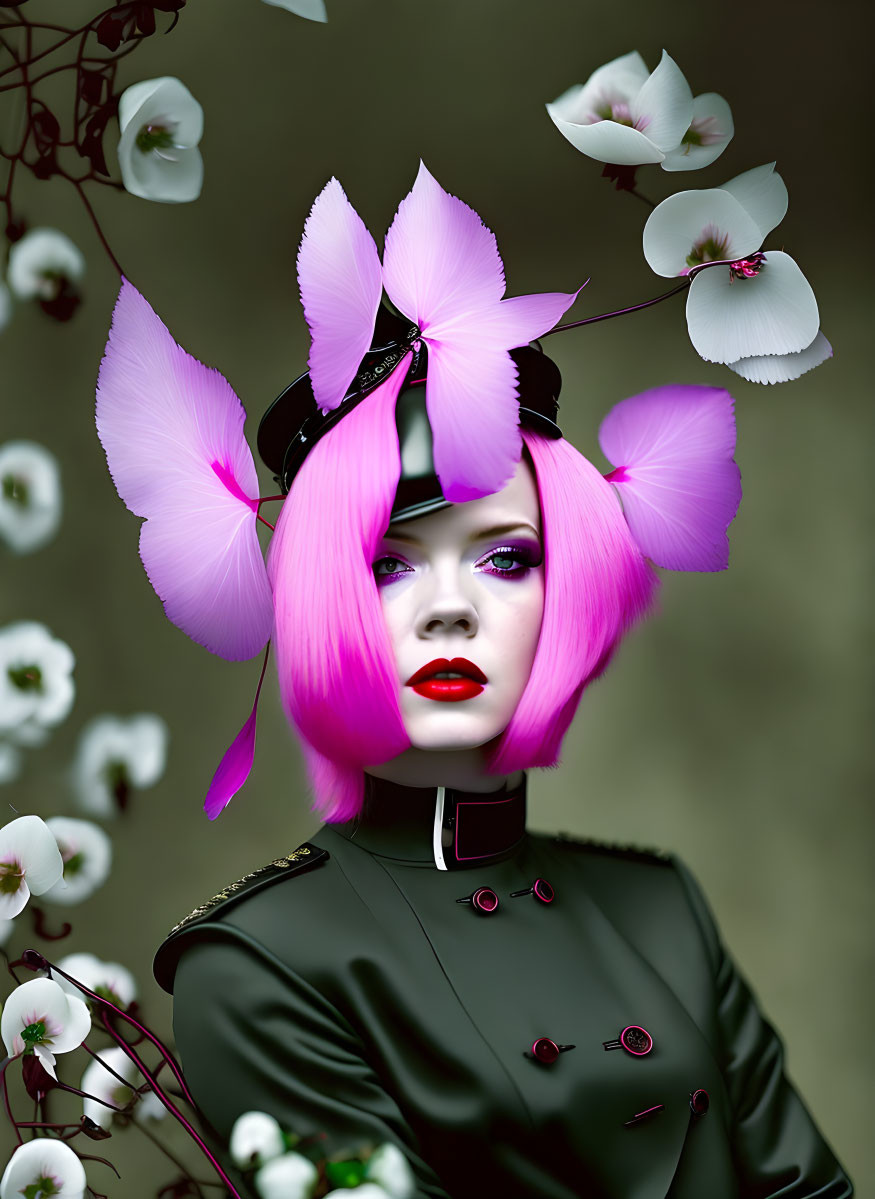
(710, 132)
(30, 495)
(100, 1082)
(10, 762)
(36, 684)
(313, 10)
(290, 1176)
(86, 851)
(30, 863)
(367, 1190)
(755, 304)
(41, 262)
(161, 124)
(625, 115)
(390, 1169)
(107, 979)
(42, 1167)
(256, 1138)
(116, 755)
(40, 1016)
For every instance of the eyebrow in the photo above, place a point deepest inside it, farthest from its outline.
(483, 535)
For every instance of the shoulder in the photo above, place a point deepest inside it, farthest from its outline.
(610, 850)
(209, 918)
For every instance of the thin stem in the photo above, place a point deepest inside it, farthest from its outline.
(633, 191)
(179, 1165)
(174, 1111)
(4, 1066)
(258, 516)
(115, 262)
(606, 316)
(266, 499)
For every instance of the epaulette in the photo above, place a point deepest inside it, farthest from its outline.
(304, 858)
(631, 852)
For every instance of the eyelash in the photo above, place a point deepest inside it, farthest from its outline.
(524, 559)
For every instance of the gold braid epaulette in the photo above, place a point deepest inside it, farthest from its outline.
(300, 854)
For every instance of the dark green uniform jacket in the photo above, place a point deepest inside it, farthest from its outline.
(347, 992)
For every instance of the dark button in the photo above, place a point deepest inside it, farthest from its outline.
(700, 1101)
(634, 1039)
(484, 901)
(546, 1051)
(540, 889)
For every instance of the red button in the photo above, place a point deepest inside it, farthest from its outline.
(700, 1101)
(545, 1050)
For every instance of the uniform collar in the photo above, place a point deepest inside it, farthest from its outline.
(446, 828)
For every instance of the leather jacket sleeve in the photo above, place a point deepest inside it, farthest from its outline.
(777, 1149)
(253, 1035)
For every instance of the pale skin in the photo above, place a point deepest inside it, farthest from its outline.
(464, 582)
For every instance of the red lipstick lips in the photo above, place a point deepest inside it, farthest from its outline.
(468, 683)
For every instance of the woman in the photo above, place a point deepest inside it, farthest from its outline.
(521, 1015)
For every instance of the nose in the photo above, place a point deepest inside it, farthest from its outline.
(447, 609)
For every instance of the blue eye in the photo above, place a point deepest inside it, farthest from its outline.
(509, 562)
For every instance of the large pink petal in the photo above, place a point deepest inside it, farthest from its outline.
(680, 488)
(471, 397)
(521, 319)
(440, 261)
(172, 430)
(341, 284)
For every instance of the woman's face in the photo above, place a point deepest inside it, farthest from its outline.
(463, 595)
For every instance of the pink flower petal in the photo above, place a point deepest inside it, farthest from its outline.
(341, 284)
(236, 763)
(471, 398)
(172, 430)
(440, 260)
(676, 477)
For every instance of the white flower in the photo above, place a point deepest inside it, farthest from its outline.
(36, 685)
(116, 755)
(290, 1176)
(313, 10)
(5, 305)
(256, 1138)
(30, 495)
(754, 305)
(43, 1167)
(367, 1190)
(30, 863)
(624, 115)
(108, 979)
(10, 762)
(86, 851)
(161, 124)
(38, 1015)
(100, 1082)
(41, 263)
(390, 1169)
(710, 132)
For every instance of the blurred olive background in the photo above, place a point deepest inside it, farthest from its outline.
(734, 727)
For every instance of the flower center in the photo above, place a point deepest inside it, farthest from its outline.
(11, 877)
(26, 678)
(15, 489)
(155, 137)
(42, 1188)
(34, 1034)
(704, 131)
(712, 246)
(116, 775)
(747, 268)
(73, 863)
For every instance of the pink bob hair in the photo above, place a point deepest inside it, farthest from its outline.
(337, 674)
